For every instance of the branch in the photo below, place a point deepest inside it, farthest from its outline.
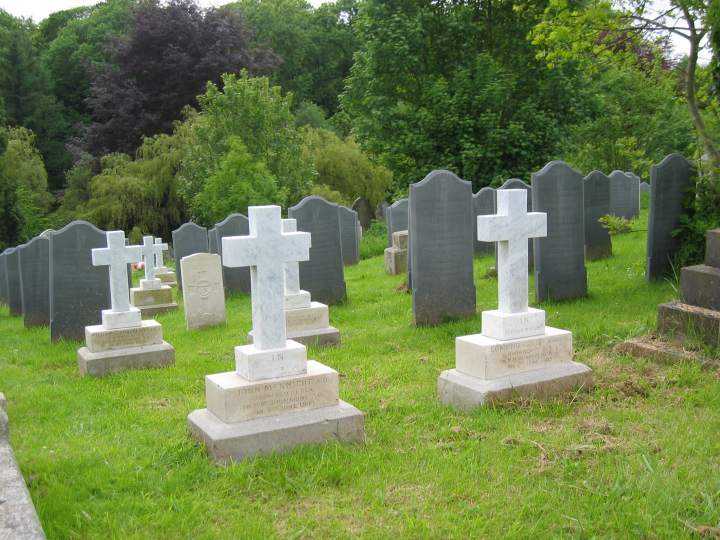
(673, 29)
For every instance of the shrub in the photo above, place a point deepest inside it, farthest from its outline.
(615, 224)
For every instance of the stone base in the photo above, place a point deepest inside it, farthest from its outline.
(507, 326)
(167, 278)
(396, 261)
(100, 339)
(140, 297)
(661, 351)
(317, 337)
(700, 286)
(235, 442)
(255, 365)
(678, 319)
(149, 312)
(467, 393)
(113, 361)
(596, 253)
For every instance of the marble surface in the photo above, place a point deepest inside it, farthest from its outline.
(203, 290)
(266, 250)
(117, 256)
(159, 256)
(150, 252)
(294, 296)
(510, 228)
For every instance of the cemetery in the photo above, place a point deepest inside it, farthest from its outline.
(368, 269)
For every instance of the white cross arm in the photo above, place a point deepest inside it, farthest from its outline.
(297, 247)
(498, 228)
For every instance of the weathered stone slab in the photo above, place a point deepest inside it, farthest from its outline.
(560, 257)
(234, 442)
(34, 260)
(483, 204)
(234, 399)
(486, 358)
(18, 518)
(79, 291)
(516, 183)
(151, 302)
(12, 269)
(466, 393)
(676, 319)
(3, 279)
(441, 248)
(624, 195)
(213, 243)
(323, 275)
(712, 248)
(700, 286)
(381, 209)
(349, 236)
(114, 361)
(99, 338)
(645, 187)
(396, 218)
(598, 244)
(364, 212)
(203, 294)
(234, 279)
(673, 181)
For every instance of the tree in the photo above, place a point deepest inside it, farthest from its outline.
(171, 52)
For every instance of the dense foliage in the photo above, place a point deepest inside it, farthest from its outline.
(139, 114)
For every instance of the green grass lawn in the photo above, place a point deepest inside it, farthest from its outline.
(637, 456)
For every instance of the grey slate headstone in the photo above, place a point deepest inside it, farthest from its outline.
(79, 291)
(484, 203)
(381, 209)
(624, 195)
(188, 239)
(441, 248)
(644, 187)
(3, 279)
(364, 211)
(396, 217)
(349, 236)
(234, 279)
(35, 281)
(213, 241)
(672, 181)
(323, 275)
(560, 257)
(598, 244)
(516, 183)
(12, 261)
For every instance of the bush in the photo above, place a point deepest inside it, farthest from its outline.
(374, 240)
(615, 224)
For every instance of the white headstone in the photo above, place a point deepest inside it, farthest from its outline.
(159, 260)
(150, 252)
(266, 250)
(117, 256)
(294, 296)
(511, 228)
(203, 293)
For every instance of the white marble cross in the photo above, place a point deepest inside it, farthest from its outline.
(266, 251)
(511, 228)
(292, 268)
(150, 251)
(159, 261)
(117, 256)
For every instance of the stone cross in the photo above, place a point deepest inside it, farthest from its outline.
(159, 261)
(511, 228)
(150, 251)
(117, 256)
(266, 250)
(292, 268)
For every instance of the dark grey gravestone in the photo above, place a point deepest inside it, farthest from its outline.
(516, 183)
(12, 259)
(644, 187)
(442, 248)
(484, 203)
(560, 256)
(349, 236)
(3, 279)
(596, 188)
(188, 239)
(624, 195)
(79, 291)
(235, 279)
(672, 181)
(35, 281)
(323, 275)
(396, 217)
(213, 241)
(364, 212)
(381, 210)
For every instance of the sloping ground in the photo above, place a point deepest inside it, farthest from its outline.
(638, 456)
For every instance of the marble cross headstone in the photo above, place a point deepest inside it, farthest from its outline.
(294, 296)
(511, 228)
(266, 250)
(117, 256)
(159, 260)
(150, 252)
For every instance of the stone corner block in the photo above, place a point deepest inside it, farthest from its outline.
(506, 326)
(99, 339)
(114, 361)
(254, 364)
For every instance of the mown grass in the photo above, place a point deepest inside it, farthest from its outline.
(636, 456)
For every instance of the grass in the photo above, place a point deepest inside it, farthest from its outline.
(638, 456)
